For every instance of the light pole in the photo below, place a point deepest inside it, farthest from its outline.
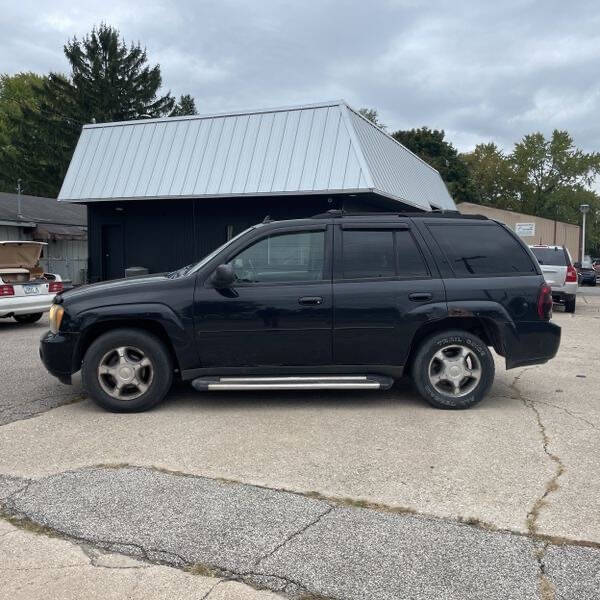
(584, 208)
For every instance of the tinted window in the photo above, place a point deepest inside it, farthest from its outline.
(550, 256)
(410, 259)
(368, 254)
(281, 258)
(482, 250)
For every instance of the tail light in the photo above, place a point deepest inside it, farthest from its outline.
(55, 287)
(7, 290)
(544, 303)
(571, 274)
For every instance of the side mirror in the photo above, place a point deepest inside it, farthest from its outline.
(577, 265)
(223, 277)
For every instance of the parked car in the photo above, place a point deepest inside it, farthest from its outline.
(596, 265)
(26, 292)
(586, 272)
(337, 301)
(560, 273)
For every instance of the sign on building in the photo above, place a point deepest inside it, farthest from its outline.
(525, 229)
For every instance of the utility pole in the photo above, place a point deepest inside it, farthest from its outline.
(19, 191)
(584, 208)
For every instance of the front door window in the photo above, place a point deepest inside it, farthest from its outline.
(287, 257)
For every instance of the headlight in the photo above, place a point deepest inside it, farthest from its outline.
(55, 317)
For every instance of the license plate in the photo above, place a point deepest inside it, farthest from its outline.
(31, 290)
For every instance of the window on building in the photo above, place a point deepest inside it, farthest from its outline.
(282, 258)
(482, 250)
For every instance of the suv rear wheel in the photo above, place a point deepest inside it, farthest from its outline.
(127, 370)
(453, 369)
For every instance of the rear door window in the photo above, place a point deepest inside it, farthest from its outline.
(482, 250)
(379, 253)
(550, 256)
(368, 254)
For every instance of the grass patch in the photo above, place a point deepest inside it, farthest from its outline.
(202, 570)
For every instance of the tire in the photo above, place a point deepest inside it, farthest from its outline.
(28, 319)
(570, 305)
(134, 353)
(476, 359)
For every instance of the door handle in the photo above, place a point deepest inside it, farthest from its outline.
(420, 296)
(310, 300)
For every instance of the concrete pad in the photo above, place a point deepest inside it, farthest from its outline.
(567, 397)
(36, 567)
(232, 590)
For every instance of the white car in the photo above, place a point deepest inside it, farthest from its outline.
(26, 292)
(557, 267)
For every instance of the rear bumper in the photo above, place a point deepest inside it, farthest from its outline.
(568, 290)
(57, 352)
(25, 305)
(530, 343)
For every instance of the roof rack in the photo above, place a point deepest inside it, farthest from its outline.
(340, 213)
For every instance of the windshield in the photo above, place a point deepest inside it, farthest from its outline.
(195, 266)
(550, 256)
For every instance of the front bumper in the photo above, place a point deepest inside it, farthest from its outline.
(25, 305)
(57, 352)
(530, 343)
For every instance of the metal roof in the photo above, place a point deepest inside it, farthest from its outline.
(312, 149)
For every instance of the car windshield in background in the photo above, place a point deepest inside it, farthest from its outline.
(550, 256)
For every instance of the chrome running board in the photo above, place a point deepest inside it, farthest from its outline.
(293, 382)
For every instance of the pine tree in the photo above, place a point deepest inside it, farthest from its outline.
(185, 106)
(109, 81)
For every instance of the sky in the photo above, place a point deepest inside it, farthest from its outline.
(481, 70)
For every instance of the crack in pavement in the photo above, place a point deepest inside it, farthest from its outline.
(576, 416)
(547, 591)
(293, 535)
(94, 555)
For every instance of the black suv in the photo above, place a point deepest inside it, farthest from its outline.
(337, 301)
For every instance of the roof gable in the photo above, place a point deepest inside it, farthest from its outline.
(319, 148)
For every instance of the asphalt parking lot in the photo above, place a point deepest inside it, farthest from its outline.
(322, 495)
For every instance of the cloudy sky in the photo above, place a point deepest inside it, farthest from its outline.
(482, 70)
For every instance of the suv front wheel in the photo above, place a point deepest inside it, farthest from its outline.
(127, 370)
(453, 369)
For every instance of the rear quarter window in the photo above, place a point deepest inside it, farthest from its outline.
(482, 250)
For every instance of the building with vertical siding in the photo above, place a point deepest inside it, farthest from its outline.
(162, 193)
(61, 225)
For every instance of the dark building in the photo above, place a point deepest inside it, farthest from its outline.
(162, 193)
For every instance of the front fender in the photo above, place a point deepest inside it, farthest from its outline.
(178, 330)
